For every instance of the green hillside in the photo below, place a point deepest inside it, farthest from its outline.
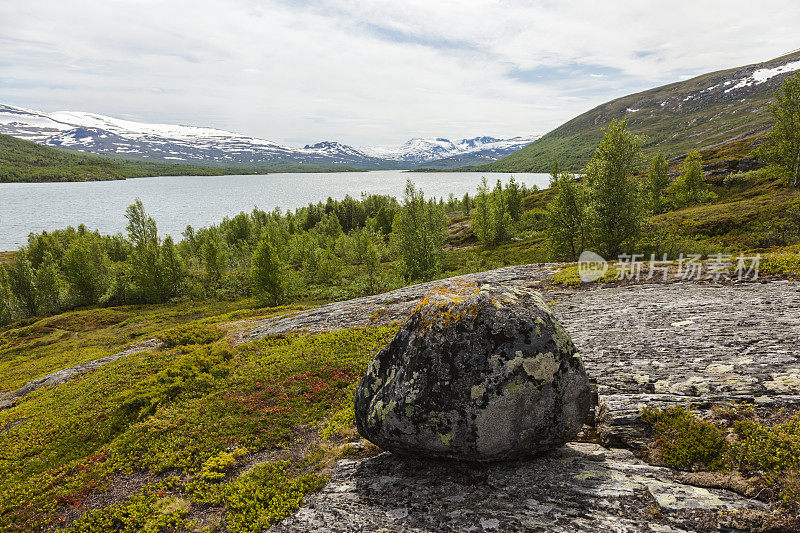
(676, 118)
(25, 161)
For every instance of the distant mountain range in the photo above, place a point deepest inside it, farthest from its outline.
(444, 153)
(99, 134)
(676, 118)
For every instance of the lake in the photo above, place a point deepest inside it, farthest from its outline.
(175, 201)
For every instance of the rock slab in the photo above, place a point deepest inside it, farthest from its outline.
(477, 373)
(580, 487)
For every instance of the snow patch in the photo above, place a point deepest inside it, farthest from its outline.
(764, 74)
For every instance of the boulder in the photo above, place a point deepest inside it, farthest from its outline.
(477, 373)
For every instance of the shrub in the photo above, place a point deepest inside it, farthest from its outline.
(149, 511)
(195, 372)
(190, 334)
(773, 451)
(215, 467)
(265, 495)
(784, 263)
(684, 441)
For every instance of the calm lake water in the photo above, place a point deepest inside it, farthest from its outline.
(175, 201)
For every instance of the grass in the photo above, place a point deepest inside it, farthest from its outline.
(188, 412)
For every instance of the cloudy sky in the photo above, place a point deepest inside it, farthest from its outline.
(370, 72)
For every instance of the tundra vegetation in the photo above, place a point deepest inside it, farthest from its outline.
(202, 433)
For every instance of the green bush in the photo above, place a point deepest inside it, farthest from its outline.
(190, 334)
(265, 495)
(773, 451)
(195, 372)
(684, 441)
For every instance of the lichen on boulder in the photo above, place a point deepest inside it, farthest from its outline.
(476, 373)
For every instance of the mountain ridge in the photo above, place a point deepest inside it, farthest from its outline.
(675, 118)
(105, 135)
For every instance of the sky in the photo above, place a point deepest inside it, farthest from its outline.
(371, 72)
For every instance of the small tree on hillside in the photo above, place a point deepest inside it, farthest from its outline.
(372, 265)
(781, 146)
(614, 207)
(466, 204)
(49, 284)
(419, 235)
(86, 269)
(513, 198)
(657, 181)
(482, 216)
(502, 223)
(268, 273)
(689, 188)
(566, 218)
(215, 260)
(22, 283)
(174, 271)
(156, 271)
(6, 309)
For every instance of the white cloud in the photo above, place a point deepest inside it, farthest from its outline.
(369, 72)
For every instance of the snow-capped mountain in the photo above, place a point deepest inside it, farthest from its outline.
(422, 150)
(101, 134)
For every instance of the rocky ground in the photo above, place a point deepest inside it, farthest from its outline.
(645, 344)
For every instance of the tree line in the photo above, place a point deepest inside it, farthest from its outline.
(272, 256)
